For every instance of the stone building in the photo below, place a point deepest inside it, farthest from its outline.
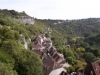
(53, 61)
(93, 68)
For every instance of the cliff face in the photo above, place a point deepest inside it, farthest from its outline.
(26, 20)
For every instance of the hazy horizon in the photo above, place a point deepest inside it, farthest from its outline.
(55, 9)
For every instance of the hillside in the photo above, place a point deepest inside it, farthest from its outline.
(77, 40)
(13, 55)
(75, 28)
(11, 13)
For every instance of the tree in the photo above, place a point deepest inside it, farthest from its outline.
(88, 56)
(79, 65)
(6, 69)
(70, 69)
(12, 34)
(80, 49)
(26, 61)
(95, 59)
(96, 52)
(3, 30)
(68, 52)
(6, 64)
(47, 35)
(71, 60)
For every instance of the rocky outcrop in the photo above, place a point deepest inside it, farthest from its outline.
(26, 19)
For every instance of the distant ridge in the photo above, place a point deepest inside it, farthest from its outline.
(21, 16)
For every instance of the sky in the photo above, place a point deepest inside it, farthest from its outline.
(55, 9)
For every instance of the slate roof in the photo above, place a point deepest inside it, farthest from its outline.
(93, 68)
(49, 55)
(96, 67)
(36, 47)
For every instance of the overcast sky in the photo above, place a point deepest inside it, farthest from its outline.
(55, 9)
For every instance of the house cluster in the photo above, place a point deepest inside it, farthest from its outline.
(53, 61)
(91, 69)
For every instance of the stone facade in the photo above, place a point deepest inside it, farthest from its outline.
(53, 61)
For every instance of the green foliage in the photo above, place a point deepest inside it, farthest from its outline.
(47, 35)
(68, 52)
(79, 65)
(95, 59)
(3, 30)
(26, 62)
(29, 63)
(75, 28)
(82, 36)
(70, 69)
(73, 40)
(71, 60)
(6, 58)
(12, 35)
(93, 40)
(7, 33)
(6, 64)
(6, 69)
(88, 56)
(11, 13)
(69, 55)
(80, 49)
(14, 58)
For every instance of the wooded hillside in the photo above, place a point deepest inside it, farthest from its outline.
(78, 40)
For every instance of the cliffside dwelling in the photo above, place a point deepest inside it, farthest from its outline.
(53, 62)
